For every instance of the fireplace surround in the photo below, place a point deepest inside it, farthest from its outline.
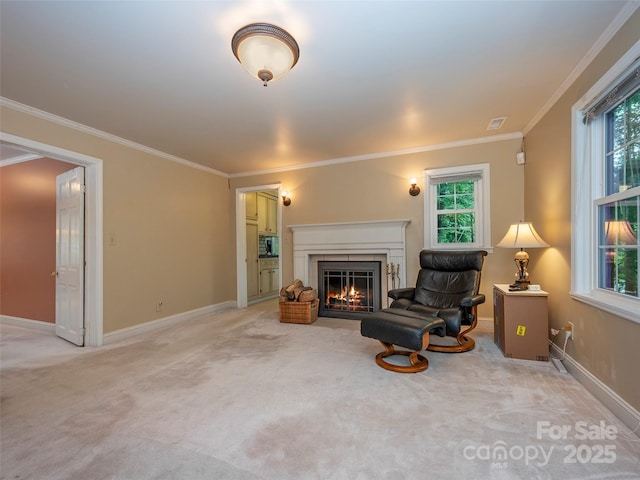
(380, 241)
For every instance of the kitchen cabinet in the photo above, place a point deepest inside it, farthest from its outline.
(251, 205)
(521, 323)
(267, 213)
(253, 287)
(269, 276)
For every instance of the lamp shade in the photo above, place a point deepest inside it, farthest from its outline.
(522, 235)
(266, 51)
(619, 232)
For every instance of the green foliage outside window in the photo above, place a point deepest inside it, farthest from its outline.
(623, 145)
(455, 203)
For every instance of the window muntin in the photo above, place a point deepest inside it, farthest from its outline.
(618, 246)
(456, 212)
(622, 132)
(457, 207)
(617, 209)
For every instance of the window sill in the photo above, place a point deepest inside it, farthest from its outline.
(614, 304)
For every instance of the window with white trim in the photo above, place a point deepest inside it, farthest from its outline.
(606, 192)
(457, 214)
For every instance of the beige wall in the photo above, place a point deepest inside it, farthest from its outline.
(165, 226)
(606, 345)
(378, 190)
(28, 238)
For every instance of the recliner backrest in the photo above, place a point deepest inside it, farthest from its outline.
(446, 277)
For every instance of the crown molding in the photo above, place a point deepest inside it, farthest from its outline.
(629, 9)
(13, 105)
(5, 102)
(390, 153)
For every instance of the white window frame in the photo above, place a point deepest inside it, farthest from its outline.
(587, 187)
(481, 173)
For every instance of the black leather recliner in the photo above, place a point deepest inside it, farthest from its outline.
(444, 299)
(447, 287)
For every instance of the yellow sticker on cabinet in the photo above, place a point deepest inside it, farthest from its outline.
(521, 330)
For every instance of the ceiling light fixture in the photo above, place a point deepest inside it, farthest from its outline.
(266, 51)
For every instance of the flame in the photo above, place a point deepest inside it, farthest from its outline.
(349, 296)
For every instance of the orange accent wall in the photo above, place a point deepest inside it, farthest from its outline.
(28, 238)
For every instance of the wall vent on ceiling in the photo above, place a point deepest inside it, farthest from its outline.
(496, 123)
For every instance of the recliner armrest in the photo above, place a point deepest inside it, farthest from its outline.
(399, 293)
(472, 301)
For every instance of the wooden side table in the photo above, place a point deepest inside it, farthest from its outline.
(521, 323)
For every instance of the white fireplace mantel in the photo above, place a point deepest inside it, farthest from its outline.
(382, 237)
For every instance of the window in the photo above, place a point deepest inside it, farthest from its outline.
(456, 211)
(606, 167)
(618, 216)
(457, 207)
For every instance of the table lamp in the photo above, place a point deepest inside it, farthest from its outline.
(522, 235)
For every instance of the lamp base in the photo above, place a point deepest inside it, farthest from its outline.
(519, 285)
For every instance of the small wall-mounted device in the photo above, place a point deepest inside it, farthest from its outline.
(520, 158)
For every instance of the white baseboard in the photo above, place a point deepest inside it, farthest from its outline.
(610, 399)
(118, 335)
(28, 323)
(485, 323)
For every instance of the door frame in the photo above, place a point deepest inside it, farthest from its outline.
(93, 273)
(241, 239)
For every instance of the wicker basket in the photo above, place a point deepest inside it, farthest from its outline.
(299, 312)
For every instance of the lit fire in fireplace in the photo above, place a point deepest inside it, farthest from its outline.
(349, 298)
(348, 289)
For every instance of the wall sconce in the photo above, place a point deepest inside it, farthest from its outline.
(414, 190)
(286, 201)
(522, 235)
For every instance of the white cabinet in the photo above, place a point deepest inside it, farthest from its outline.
(251, 205)
(253, 288)
(269, 273)
(267, 213)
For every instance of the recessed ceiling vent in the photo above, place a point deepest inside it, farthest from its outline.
(496, 123)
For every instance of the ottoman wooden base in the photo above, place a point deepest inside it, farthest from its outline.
(403, 328)
(418, 362)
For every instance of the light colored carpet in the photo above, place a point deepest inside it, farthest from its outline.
(238, 395)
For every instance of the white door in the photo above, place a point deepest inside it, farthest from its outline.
(70, 256)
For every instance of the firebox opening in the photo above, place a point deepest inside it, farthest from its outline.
(348, 289)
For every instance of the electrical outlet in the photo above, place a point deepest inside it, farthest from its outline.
(572, 333)
(159, 306)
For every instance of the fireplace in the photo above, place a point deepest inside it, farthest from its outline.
(381, 241)
(348, 289)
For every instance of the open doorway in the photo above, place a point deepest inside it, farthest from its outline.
(258, 233)
(93, 296)
(28, 237)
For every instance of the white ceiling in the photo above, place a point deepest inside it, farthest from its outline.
(373, 76)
